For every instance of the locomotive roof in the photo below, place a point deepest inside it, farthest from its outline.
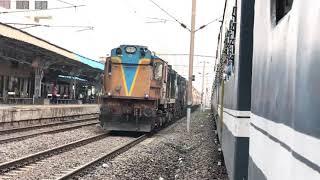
(123, 45)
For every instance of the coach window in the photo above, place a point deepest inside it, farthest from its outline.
(41, 4)
(22, 4)
(158, 71)
(280, 9)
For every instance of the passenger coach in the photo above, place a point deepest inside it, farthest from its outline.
(266, 94)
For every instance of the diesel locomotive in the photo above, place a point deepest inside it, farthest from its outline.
(142, 91)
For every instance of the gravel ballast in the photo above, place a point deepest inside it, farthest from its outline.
(173, 153)
(52, 167)
(13, 150)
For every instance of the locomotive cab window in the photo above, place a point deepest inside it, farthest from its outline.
(281, 8)
(110, 68)
(158, 71)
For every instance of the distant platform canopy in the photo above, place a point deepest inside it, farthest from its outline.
(33, 69)
(20, 46)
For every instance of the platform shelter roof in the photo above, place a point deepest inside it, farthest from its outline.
(18, 45)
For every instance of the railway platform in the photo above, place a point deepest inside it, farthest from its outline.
(25, 115)
(33, 71)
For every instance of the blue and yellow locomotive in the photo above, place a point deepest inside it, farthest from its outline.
(141, 91)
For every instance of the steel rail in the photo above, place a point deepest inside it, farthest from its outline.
(10, 139)
(22, 129)
(31, 121)
(103, 158)
(18, 163)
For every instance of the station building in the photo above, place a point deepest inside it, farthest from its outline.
(30, 68)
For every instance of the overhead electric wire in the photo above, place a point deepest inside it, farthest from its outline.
(197, 55)
(157, 20)
(30, 25)
(65, 2)
(181, 24)
(203, 26)
(32, 10)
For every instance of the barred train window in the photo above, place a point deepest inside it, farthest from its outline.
(41, 4)
(282, 8)
(22, 4)
(5, 4)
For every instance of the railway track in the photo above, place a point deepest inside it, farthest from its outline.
(4, 126)
(76, 172)
(24, 161)
(32, 131)
(16, 169)
(71, 160)
(79, 170)
(27, 128)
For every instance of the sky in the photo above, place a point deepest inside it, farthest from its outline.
(119, 22)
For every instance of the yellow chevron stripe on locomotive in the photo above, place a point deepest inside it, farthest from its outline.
(131, 75)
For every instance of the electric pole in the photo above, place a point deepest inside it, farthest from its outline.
(192, 33)
(202, 89)
(205, 97)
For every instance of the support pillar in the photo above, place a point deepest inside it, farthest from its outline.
(39, 67)
(21, 82)
(72, 88)
(5, 89)
(38, 75)
(73, 84)
(25, 87)
(29, 88)
(98, 84)
(98, 91)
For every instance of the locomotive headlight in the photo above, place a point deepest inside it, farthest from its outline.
(131, 49)
(146, 96)
(109, 94)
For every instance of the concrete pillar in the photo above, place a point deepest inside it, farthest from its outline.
(38, 75)
(73, 83)
(21, 82)
(72, 89)
(29, 88)
(9, 86)
(98, 85)
(98, 88)
(39, 66)
(25, 87)
(5, 90)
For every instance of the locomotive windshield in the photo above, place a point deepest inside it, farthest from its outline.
(158, 71)
(131, 54)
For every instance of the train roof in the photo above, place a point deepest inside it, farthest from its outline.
(123, 45)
